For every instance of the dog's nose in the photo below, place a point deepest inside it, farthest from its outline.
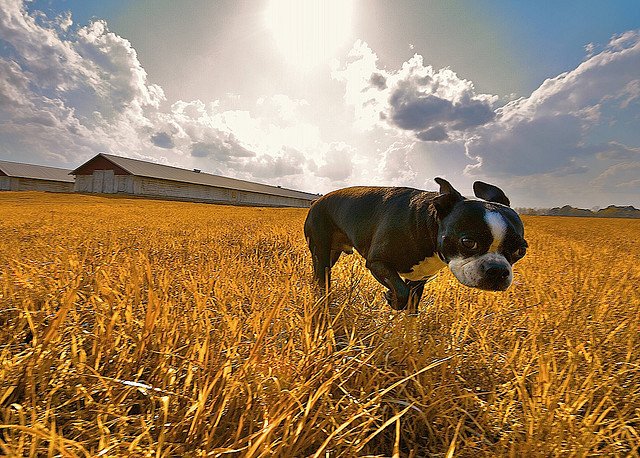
(496, 272)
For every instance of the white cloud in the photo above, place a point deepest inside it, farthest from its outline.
(428, 104)
(548, 131)
(283, 107)
(566, 132)
(337, 162)
(162, 140)
(618, 151)
(397, 164)
(362, 80)
(623, 177)
(69, 97)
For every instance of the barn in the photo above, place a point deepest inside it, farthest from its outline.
(15, 176)
(109, 174)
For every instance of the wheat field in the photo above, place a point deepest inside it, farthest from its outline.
(134, 327)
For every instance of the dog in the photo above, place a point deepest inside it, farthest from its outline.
(407, 235)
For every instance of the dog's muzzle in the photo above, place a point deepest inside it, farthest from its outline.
(491, 272)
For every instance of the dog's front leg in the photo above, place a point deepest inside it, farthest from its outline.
(398, 294)
(416, 288)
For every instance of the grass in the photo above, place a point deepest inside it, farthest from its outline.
(149, 328)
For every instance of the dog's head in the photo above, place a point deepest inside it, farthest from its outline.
(480, 240)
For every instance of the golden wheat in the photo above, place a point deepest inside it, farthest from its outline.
(137, 327)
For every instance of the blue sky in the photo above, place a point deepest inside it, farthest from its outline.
(541, 98)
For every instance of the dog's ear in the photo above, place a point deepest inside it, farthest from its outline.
(445, 187)
(490, 193)
(447, 199)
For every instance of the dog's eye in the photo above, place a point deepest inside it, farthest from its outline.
(469, 243)
(520, 252)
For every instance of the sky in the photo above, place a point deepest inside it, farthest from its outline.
(540, 98)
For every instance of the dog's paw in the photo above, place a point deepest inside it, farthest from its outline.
(394, 302)
(389, 297)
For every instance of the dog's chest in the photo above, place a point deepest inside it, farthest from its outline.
(424, 269)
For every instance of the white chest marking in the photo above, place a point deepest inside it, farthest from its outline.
(498, 227)
(424, 269)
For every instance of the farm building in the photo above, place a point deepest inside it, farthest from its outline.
(110, 174)
(15, 176)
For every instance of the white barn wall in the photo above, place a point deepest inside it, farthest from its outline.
(83, 183)
(120, 183)
(30, 184)
(154, 187)
(104, 181)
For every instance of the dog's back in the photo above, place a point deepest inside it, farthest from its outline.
(356, 211)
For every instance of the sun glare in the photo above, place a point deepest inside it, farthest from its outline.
(309, 32)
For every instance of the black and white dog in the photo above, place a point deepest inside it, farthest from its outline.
(407, 236)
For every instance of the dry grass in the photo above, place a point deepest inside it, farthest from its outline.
(133, 327)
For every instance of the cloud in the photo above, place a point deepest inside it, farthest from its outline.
(618, 151)
(570, 169)
(436, 133)
(422, 99)
(397, 164)
(543, 133)
(162, 140)
(534, 145)
(221, 151)
(432, 105)
(378, 81)
(282, 107)
(201, 149)
(288, 162)
(69, 95)
(362, 79)
(558, 124)
(568, 131)
(622, 177)
(338, 162)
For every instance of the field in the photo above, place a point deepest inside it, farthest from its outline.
(146, 328)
